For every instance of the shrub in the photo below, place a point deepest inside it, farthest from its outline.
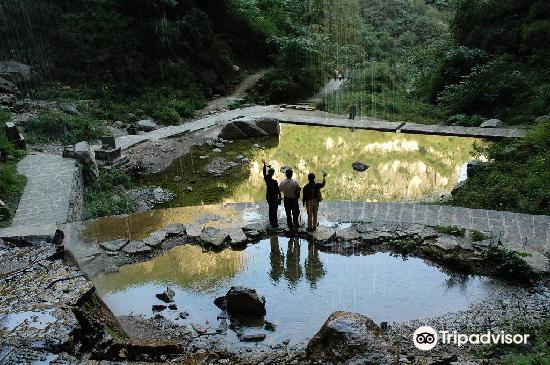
(506, 264)
(106, 203)
(465, 120)
(477, 236)
(61, 127)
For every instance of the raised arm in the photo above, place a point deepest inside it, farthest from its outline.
(264, 170)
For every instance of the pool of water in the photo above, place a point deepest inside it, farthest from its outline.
(403, 167)
(302, 285)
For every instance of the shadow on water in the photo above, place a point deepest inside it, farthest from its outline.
(301, 284)
(404, 167)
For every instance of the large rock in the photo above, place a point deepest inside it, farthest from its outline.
(348, 338)
(115, 245)
(242, 301)
(147, 125)
(537, 262)
(15, 72)
(250, 128)
(359, 166)
(492, 123)
(7, 86)
(214, 236)
(136, 247)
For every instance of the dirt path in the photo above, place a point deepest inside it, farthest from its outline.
(222, 104)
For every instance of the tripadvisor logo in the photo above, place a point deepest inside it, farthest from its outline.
(426, 338)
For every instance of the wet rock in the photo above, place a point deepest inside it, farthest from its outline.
(194, 231)
(136, 247)
(492, 123)
(173, 307)
(183, 315)
(237, 237)
(219, 165)
(360, 166)
(348, 338)
(258, 337)
(446, 242)
(115, 245)
(248, 127)
(253, 235)
(243, 301)
(158, 307)
(323, 234)
(348, 234)
(428, 233)
(147, 198)
(155, 239)
(175, 230)
(268, 326)
(199, 329)
(147, 125)
(214, 236)
(167, 296)
(217, 150)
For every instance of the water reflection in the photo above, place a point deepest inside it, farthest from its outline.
(301, 284)
(403, 167)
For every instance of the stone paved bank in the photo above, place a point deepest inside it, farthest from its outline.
(49, 197)
(316, 118)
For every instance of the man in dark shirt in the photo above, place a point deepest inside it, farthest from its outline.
(311, 198)
(272, 194)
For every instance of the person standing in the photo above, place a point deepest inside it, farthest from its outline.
(272, 194)
(352, 111)
(311, 197)
(291, 190)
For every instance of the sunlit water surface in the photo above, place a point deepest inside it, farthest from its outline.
(403, 167)
(302, 285)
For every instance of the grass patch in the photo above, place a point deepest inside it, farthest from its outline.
(61, 127)
(477, 236)
(12, 184)
(451, 230)
(108, 199)
(507, 264)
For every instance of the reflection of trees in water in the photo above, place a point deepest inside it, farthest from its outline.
(314, 266)
(293, 271)
(276, 259)
(291, 268)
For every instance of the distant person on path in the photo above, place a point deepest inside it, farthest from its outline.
(340, 77)
(311, 197)
(291, 190)
(336, 73)
(352, 111)
(272, 194)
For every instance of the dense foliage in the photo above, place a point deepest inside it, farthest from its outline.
(517, 178)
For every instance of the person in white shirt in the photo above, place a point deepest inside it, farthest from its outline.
(291, 191)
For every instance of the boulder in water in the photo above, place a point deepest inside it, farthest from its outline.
(242, 301)
(360, 166)
(167, 296)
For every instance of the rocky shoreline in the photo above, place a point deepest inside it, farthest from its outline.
(159, 339)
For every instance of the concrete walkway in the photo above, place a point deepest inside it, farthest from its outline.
(316, 118)
(47, 196)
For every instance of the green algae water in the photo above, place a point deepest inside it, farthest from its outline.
(301, 284)
(403, 167)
